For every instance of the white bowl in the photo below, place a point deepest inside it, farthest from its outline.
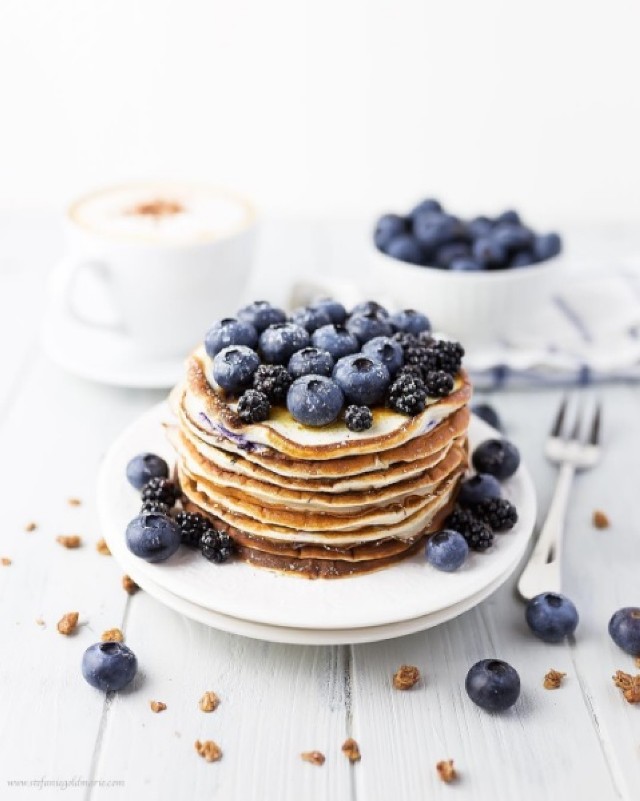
(471, 306)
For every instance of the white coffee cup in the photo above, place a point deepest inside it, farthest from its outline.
(167, 259)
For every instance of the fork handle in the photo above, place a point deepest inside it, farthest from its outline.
(543, 570)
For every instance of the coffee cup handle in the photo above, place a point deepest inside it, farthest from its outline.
(63, 287)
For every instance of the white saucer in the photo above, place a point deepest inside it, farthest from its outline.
(408, 590)
(104, 356)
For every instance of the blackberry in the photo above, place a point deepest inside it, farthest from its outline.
(253, 406)
(154, 508)
(216, 546)
(192, 526)
(449, 355)
(161, 490)
(423, 357)
(273, 380)
(407, 395)
(412, 370)
(358, 418)
(499, 513)
(478, 535)
(405, 339)
(438, 383)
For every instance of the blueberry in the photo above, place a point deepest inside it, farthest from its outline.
(551, 616)
(487, 413)
(363, 381)
(145, 466)
(465, 265)
(369, 306)
(489, 252)
(311, 361)
(153, 537)
(512, 237)
(228, 332)
(109, 666)
(428, 205)
(405, 248)
(336, 311)
(478, 488)
(523, 258)
(434, 230)
(546, 246)
(624, 629)
(479, 226)
(233, 368)
(410, 321)
(496, 456)
(369, 325)
(336, 340)
(386, 351)
(449, 252)
(261, 314)
(446, 550)
(279, 342)
(493, 685)
(310, 317)
(314, 400)
(388, 227)
(510, 216)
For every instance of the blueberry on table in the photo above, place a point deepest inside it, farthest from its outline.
(109, 666)
(624, 629)
(367, 325)
(311, 361)
(493, 685)
(546, 246)
(479, 488)
(310, 317)
(387, 228)
(362, 380)
(314, 400)
(428, 205)
(336, 340)
(153, 537)
(227, 332)
(446, 550)
(233, 368)
(280, 341)
(386, 351)
(551, 616)
(487, 413)
(336, 311)
(499, 457)
(405, 247)
(261, 314)
(410, 321)
(145, 466)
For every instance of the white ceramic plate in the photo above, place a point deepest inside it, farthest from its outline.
(407, 590)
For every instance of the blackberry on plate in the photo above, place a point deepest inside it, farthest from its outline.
(161, 490)
(412, 370)
(253, 406)
(478, 535)
(154, 508)
(358, 418)
(499, 513)
(273, 380)
(192, 526)
(407, 395)
(216, 546)
(438, 383)
(423, 357)
(449, 355)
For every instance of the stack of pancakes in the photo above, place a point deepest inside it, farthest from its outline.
(319, 502)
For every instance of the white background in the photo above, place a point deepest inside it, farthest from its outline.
(331, 107)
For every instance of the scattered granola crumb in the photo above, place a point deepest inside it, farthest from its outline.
(553, 679)
(405, 677)
(446, 771)
(67, 623)
(630, 686)
(314, 757)
(129, 585)
(351, 750)
(157, 706)
(31, 527)
(40, 621)
(208, 750)
(69, 540)
(5, 561)
(74, 502)
(600, 520)
(112, 635)
(102, 547)
(209, 701)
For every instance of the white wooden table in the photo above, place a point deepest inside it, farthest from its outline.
(579, 742)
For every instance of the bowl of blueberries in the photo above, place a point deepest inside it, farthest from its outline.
(480, 277)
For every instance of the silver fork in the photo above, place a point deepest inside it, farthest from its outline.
(572, 453)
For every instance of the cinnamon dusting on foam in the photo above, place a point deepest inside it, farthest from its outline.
(157, 208)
